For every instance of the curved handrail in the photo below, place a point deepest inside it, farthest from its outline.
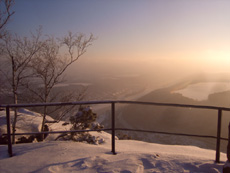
(113, 102)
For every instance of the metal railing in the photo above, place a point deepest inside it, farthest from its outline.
(113, 128)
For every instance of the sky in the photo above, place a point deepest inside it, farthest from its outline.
(168, 37)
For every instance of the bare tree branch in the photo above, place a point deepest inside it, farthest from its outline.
(18, 52)
(50, 64)
(5, 14)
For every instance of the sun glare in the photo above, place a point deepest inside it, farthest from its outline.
(218, 56)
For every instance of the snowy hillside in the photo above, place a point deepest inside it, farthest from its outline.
(132, 156)
(29, 121)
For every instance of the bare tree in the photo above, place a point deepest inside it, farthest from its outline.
(5, 14)
(17, 54)
(59, 112)
(50, 63)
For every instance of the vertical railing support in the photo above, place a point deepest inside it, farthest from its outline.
(228, 146)
(113, 126)
(218, 136)
(8, 131)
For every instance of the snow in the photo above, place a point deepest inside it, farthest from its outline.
(29, 121)
(69, 156)
(132, 156)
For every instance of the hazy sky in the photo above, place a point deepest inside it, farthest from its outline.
(137, 36)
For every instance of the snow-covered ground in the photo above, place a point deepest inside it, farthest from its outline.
(68, 156)
(132, 156)
(29, 121)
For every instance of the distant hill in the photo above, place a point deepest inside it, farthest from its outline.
(178, 120)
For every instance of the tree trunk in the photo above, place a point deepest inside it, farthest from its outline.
(15, 102)
(14, 125)
(43, 123)
(15, 119)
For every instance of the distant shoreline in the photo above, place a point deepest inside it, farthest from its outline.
(200, 91)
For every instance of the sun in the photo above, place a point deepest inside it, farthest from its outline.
(218, 56)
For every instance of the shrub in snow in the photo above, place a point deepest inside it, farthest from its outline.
(24, 139)
(122, 136)
(84, 120)
(3, 139)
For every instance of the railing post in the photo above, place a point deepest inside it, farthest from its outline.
(228, 146)
(113, 126)
(218, 136)
(8, 131)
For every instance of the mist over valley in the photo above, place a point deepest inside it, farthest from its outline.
(180, 120)
(174, 52)
(212, 88)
